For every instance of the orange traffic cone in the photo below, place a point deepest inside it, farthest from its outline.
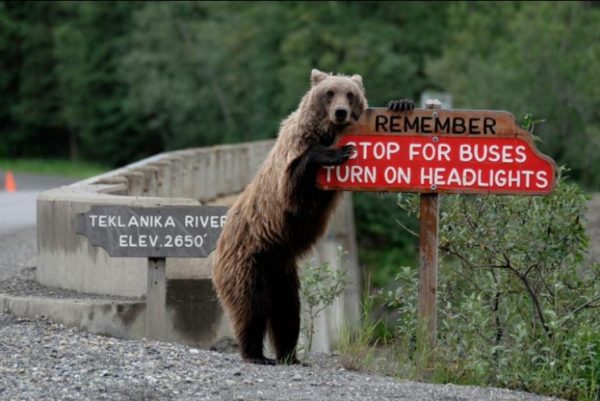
(9, 182)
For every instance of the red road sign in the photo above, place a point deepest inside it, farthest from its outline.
(491, 154)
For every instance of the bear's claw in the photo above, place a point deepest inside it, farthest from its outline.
(401, 105)
(333, 156)
(347, 151)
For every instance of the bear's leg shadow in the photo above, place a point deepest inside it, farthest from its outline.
(250, 324)
(284, 320)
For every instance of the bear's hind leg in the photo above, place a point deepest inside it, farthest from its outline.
(250, 323)
(251, 339)
(284, 319)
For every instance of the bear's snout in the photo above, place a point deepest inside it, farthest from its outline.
(341, 115)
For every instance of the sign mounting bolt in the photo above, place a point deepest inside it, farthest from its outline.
(435, 139)
(433, 187)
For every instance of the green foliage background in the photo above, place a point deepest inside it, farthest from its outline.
(532, 57)
(117, 81)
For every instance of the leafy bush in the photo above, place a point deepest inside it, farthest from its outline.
(321, 285)
(518, 306)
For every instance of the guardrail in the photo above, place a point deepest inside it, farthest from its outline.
(211, 175)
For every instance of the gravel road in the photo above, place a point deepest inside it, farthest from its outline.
(40, 360)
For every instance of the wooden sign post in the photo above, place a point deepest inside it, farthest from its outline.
(433, 151)
(429, 218)
(154, 233)
(156, 297)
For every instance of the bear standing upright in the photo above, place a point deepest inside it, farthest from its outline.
(280, 216)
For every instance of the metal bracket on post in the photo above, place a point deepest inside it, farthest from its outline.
(156, 298)
(428, 266)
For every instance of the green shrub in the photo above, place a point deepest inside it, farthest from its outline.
(321, 285)
(518, 304)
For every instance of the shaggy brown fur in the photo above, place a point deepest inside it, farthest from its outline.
(279, 216)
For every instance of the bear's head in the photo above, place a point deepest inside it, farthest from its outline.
(337, 100)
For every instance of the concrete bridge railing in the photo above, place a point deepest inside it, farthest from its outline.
(211, 175)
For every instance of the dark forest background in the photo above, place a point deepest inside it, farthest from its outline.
(113, 82)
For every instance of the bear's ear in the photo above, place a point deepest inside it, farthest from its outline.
(317, 76)
(358, 80)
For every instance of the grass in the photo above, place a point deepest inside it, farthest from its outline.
(567, 369)
(60, 167)
(357, 345)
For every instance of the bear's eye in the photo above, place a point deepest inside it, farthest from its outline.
(330, 94)
(350, 96)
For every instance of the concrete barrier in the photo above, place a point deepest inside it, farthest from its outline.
(212, 175)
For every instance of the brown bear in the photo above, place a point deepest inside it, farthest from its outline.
(280, 215)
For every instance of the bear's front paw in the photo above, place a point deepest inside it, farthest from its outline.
(323, 156)
(342, 154)
(401, 105)
(347, 151)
